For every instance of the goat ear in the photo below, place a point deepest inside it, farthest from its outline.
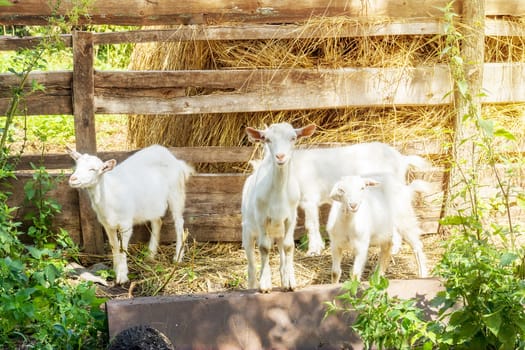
(306, 131)
(372, 183)
(72, 153)
(109, 165)
(254, 134)
(335, 194)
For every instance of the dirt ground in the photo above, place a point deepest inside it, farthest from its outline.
(214, 267)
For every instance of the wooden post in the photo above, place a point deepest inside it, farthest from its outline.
(467, 162)
(83, 92)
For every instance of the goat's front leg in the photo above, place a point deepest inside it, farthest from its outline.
(118, 239)
(337, 254)
(286, 251)
(248, 243)
(361, 254)
(384, 256)
(265, 281)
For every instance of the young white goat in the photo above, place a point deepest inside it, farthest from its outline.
(317, 170)
(366, 211)
(136, 191)
(270, 198)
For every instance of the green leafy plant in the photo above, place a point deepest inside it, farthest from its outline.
(383, 321)
(483, 267)
(45, 208)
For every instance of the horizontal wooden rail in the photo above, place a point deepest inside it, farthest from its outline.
(135, 12)
(247, 90)
(210, 154)
(192, 155)
(351, 28)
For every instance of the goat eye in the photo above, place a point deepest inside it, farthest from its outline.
(293, 139)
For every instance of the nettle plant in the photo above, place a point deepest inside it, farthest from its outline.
(482, 305)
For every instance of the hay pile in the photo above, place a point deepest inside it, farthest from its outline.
(389, 124)
(215, 267)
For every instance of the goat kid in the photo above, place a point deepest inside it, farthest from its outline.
(318, 169)
(136, 191)
(367, 211)
(270, 198)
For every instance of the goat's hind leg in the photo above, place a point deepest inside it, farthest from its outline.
(411, 236)
(311, 223)
(154, 239)
(176, 204)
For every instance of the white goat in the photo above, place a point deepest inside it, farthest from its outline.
(270, 198)
(134, 192)
(366, 211)
(317, 170)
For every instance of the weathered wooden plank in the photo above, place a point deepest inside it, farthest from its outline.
(14, 43)
(304, 89)
(264, 90)
(246, 31)
(326, 88)
(139, 12)
(192, 155)
(41, 105)
(85, 133)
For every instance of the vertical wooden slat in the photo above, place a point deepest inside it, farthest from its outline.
(83, 109)
(467, 158)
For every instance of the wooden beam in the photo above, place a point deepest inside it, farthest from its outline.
(231, 91)
(170, 12)
(247, 31)
(83, 109)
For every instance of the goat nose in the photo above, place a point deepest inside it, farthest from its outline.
(72, 178)
(353, 206)
(280, 156)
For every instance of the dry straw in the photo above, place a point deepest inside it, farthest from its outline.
(387, 124)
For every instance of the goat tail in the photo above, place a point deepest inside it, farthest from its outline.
(421, 186)
(187, 171)
(417, 161)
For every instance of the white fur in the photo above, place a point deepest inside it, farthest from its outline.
(317, 170)
(366, 211)
(136, 191)
(270, 198)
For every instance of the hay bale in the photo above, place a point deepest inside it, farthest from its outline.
(388, 124)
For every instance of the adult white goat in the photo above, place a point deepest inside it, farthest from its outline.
(136, 191)
(318, 169)
(270, 198)
(366, 211)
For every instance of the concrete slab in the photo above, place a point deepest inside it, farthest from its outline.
(251, 320)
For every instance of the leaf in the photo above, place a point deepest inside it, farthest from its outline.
(507, 259)
(493, 322)
(6, 3)
(487, 126)
(521, 200)
(452, 220)
(462, 87)
(501, 132)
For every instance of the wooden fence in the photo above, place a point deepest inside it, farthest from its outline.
(213, 202)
